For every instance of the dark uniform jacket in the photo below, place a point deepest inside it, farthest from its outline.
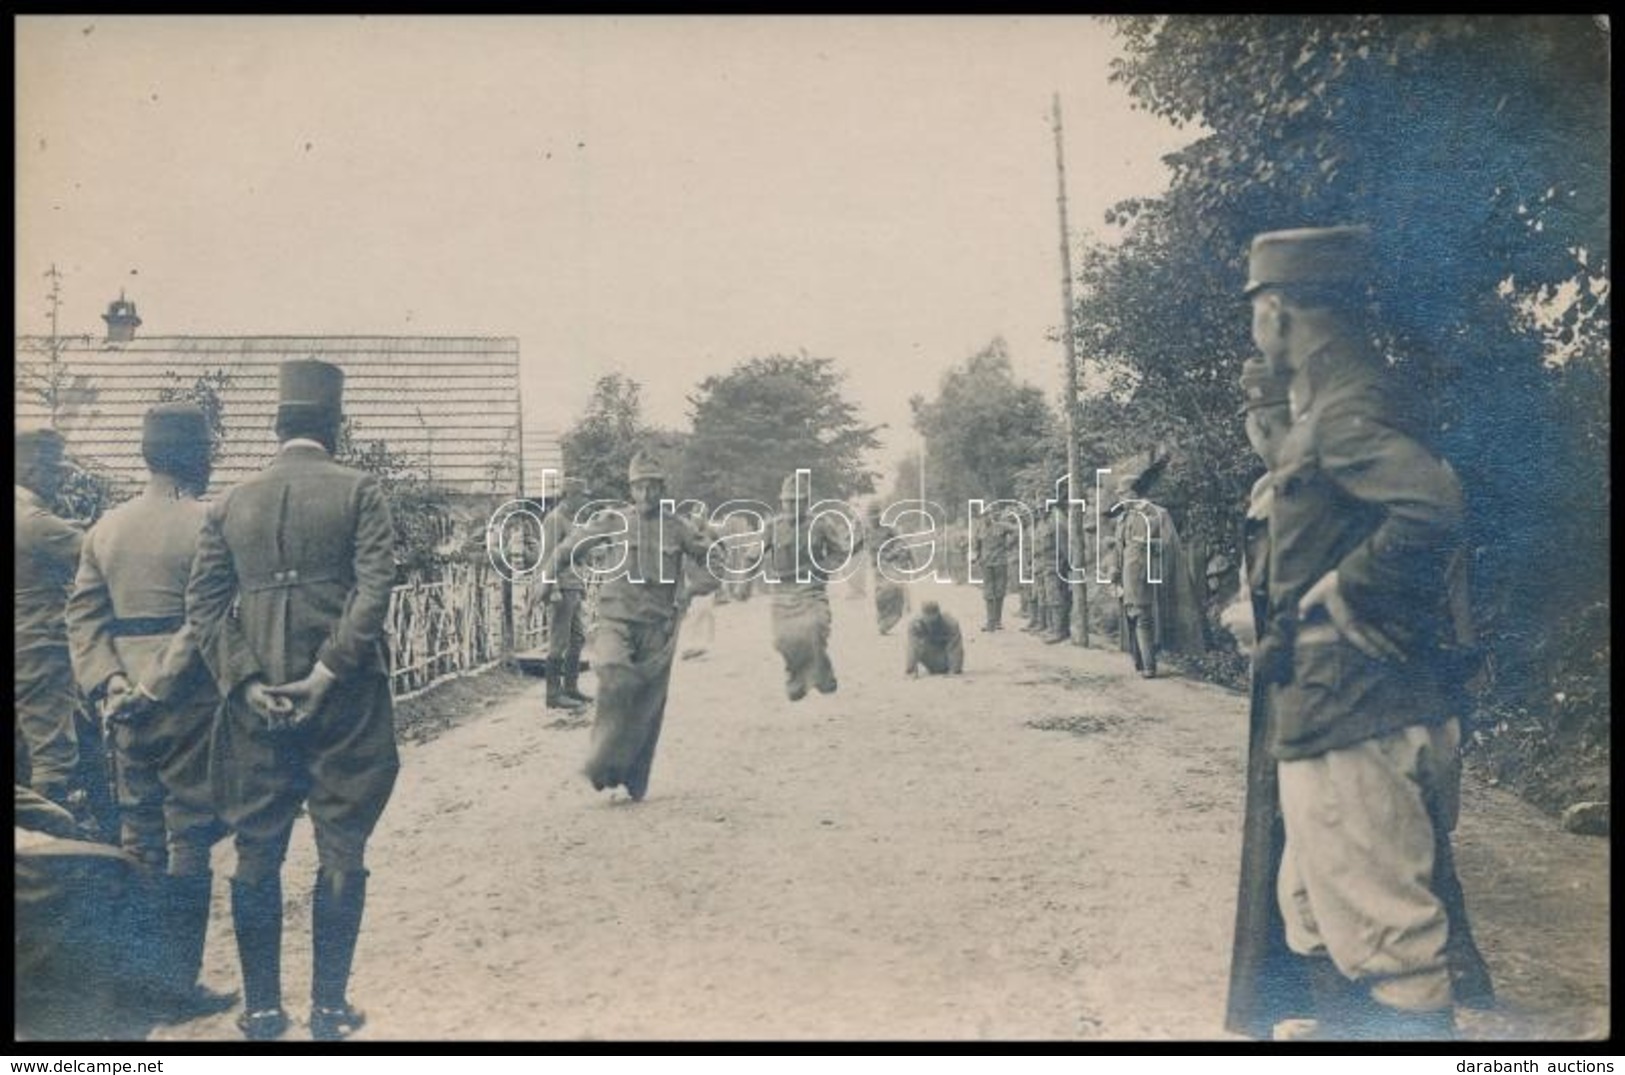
(1356, 492)
(823, 548)
(556, 527)
(993, 542)
(643, 561)
(45, 560)
(306, 547)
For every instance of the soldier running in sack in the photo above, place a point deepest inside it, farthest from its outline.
(638, 621)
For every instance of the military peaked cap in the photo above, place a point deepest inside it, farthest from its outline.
(643, 467)
(1318, 257)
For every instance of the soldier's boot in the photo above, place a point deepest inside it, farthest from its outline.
(336, 912)
(572, 679)
(256, 917)
(1133, 629)
(1344, 1010)
(146, 925)
(1400, 1024)
(1146, 643)
(186, 920)
(1470, 982)
(556, 698)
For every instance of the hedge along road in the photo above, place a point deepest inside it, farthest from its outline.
(1044, 848)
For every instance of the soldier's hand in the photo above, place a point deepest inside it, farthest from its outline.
(115, 695)
(306, 695)
(273, 709)
(1327, 594)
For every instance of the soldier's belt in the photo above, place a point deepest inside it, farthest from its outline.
(286, 580)
(131, 626)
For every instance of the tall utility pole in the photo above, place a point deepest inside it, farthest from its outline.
(1069, 399)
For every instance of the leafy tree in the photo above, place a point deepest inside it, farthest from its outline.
(600, 446)
(1477, 149)
(982, 429)
(769, 416)
(421, 513)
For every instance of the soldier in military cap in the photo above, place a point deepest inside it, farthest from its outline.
(993, 541)
(305, 548)
(638, 619)
(802, 552)
(135, 657)
(566, 623)
(46, 555)
(1362, 519)
(1160, 609)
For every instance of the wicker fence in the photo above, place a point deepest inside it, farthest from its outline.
(453, 626)
(465, 622)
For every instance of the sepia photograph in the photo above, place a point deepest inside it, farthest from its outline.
(812, 529)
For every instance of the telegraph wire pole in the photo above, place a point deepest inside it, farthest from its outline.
(1069, 397)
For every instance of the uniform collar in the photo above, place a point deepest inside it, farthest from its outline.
(1336, 363)
(302, 444)
(164, 487)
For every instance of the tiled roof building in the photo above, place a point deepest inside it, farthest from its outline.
(451, 405)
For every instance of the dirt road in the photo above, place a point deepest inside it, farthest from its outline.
(1045, 848)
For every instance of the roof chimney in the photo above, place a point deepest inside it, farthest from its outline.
(121, 320)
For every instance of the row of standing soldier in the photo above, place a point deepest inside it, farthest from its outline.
(235, 650)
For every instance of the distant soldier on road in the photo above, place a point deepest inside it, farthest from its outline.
(304, 550)
(1160, 607)
(1053, 570)
(935, 643)
(134, 654)
(566, 622)
(993, 542)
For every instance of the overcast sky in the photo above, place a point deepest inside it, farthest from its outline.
(664, 197)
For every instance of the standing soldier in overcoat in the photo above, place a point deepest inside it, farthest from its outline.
(46, 556)
(305, 548)
(1160, 607)
(1054, 569)
(566, 619)
(1363, 521)
(133, 652)
(992, 542)
(638, 620)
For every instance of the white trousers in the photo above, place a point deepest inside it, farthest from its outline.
(1356, 876)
